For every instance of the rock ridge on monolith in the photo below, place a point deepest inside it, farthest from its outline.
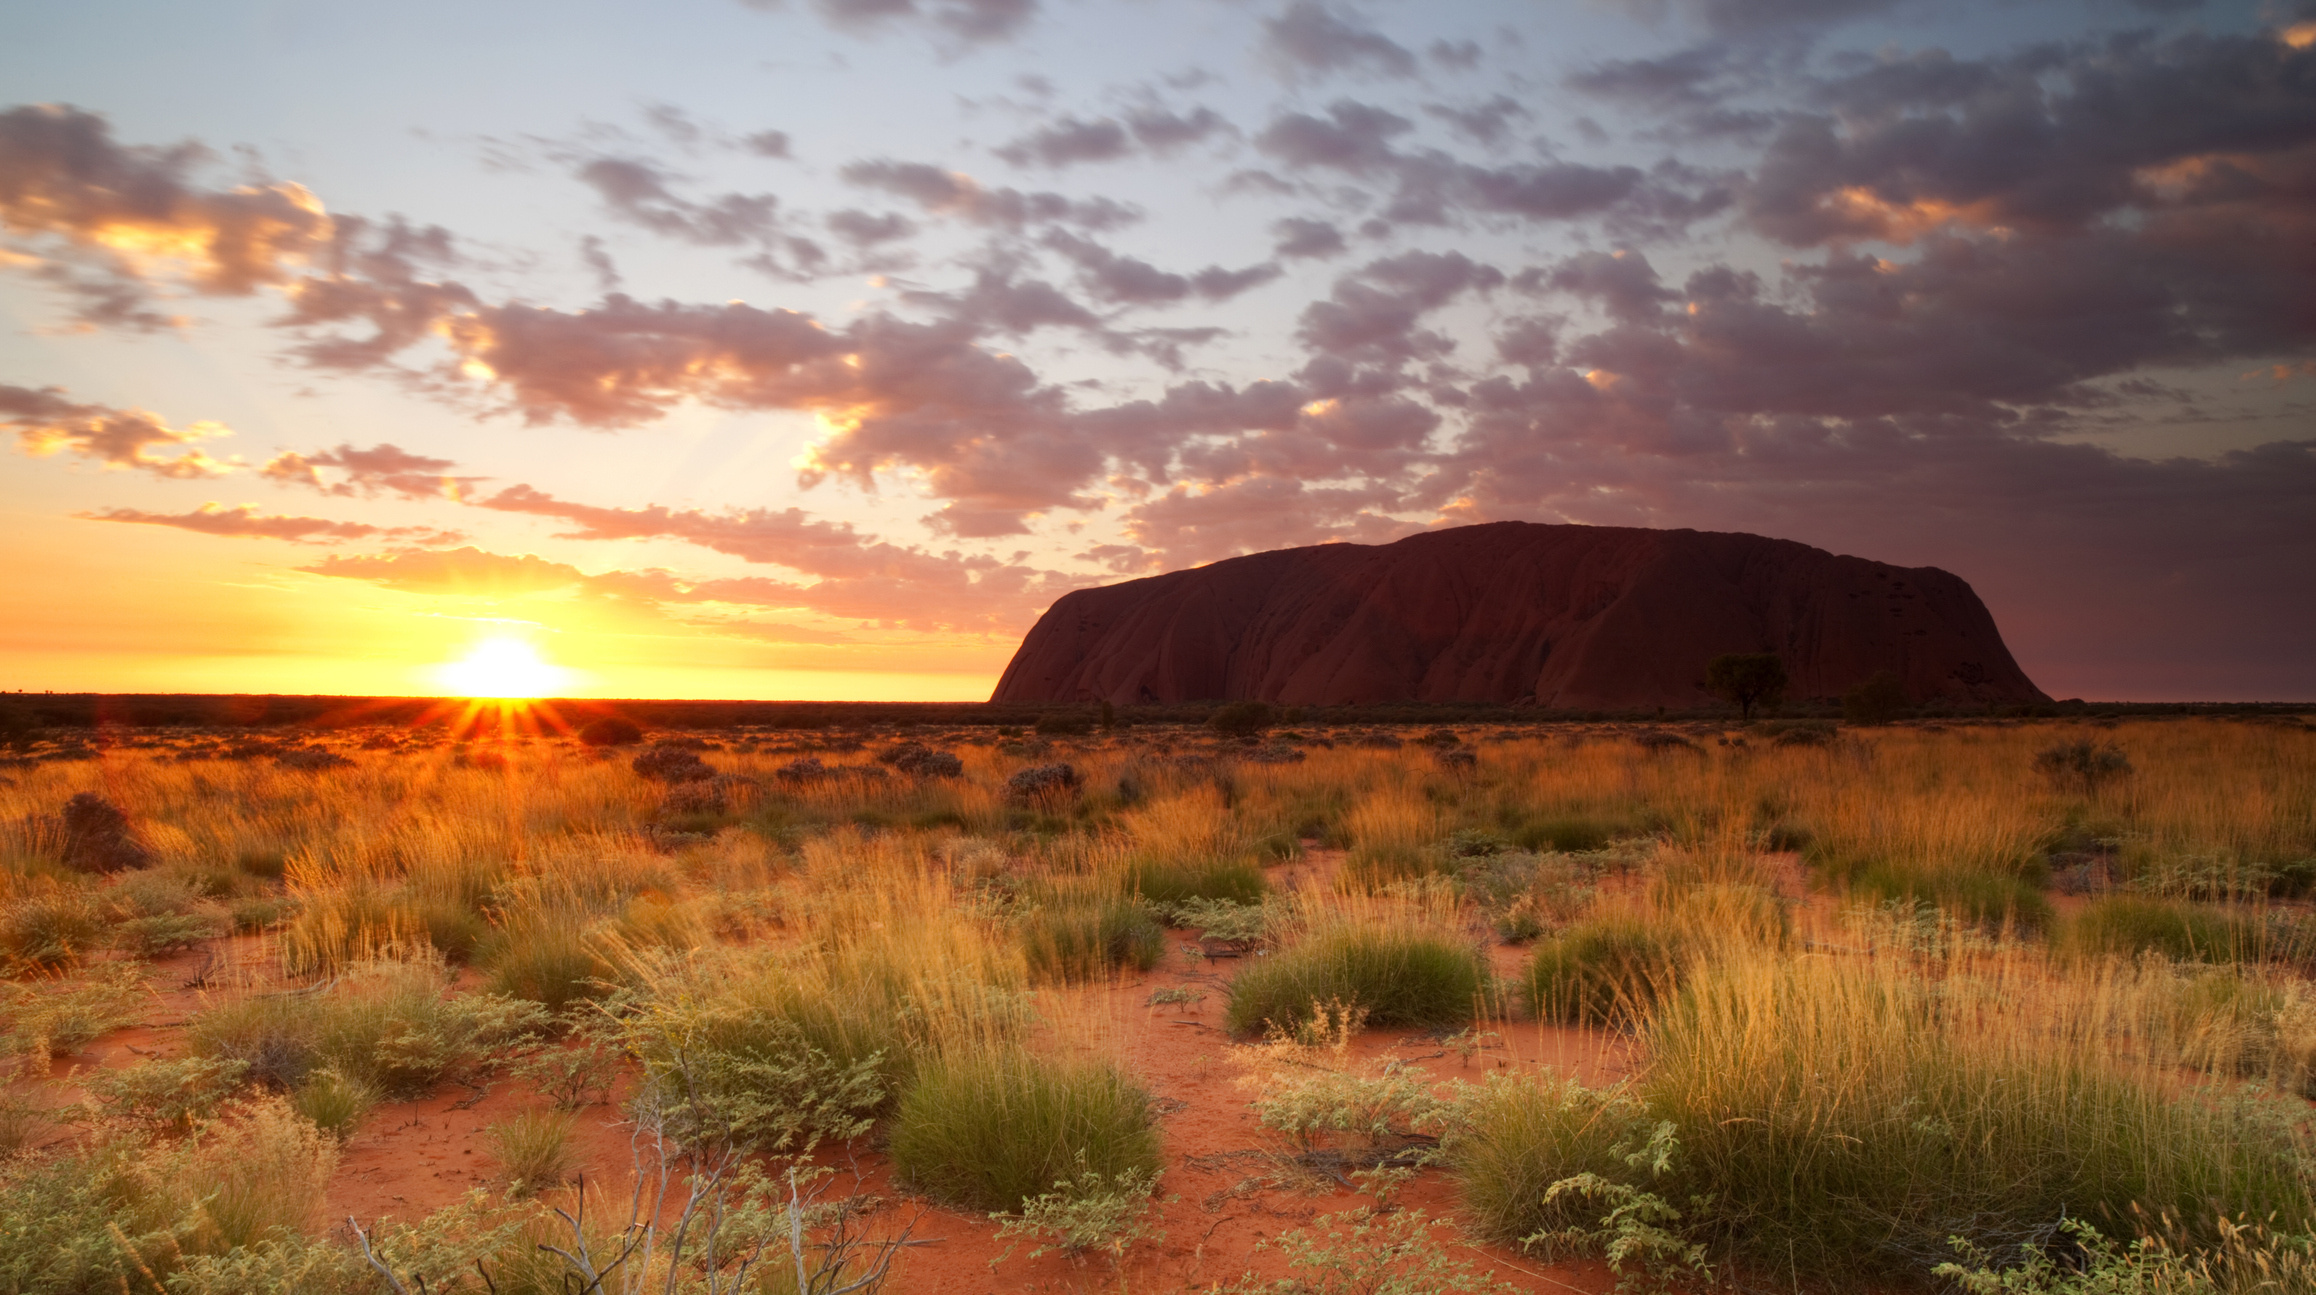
(1583, 617)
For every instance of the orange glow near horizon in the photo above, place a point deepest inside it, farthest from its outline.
(504, 667)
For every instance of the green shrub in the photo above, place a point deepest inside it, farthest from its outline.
(1086, 1213)
(333, 1102)
(1608, 969)
(2247, 1261)
(1566, 835)
(610, 730)
(1876, 700)
(1177, 881)
(50, 1021)
(1242, 718)
(1513, 1138)
(49, 931)
(2082, 766)
(388, 1025)
(87, 1222)
(548, 964)
(989, 1128)
(1399, 977)
(2130, 926)
(171, 1095)
(1087, 937)
(1991, 900)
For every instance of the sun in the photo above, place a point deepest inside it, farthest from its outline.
(504, 667)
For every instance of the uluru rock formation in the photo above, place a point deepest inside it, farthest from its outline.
(1583, 617)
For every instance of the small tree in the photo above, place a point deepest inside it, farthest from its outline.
(611, 730)
(1241, 719)
(1875, 701)
(1746, 678)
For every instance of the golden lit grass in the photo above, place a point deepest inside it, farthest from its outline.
(1852, 1115)
(1843, 1109)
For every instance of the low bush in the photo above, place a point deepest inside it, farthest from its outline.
(1089, 936)
(1398, 976)
(611, 730)
(1609, 969)
(1566, 834)
(168, 1095)
(551, 964)
(2129, 926)
(336, 929)
(2082, 766)
(392, 1026)
(1180, 881)
(989, 1128)
(333, 1102)
(1992, 901)
(1242, 718)
(43, 1021)
(49, 931)
(1876, 700)
(1513, 1138)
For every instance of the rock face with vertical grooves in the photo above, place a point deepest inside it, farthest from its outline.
(1580, 617)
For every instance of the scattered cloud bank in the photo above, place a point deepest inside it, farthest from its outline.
(1901, 301)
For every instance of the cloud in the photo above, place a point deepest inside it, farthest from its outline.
(1072, 140)
(46, 423)
(1311, 37)
(100, 214)
(1371, 316)
(636, 191)
(2198, 132)
(970, 595)
(382, 468)
(466, 572)
(969, 20)
(1759, 17)
(866, 230)
(244, 520)
(1125, 280)
(1301, 236)
(1483, 123)
(957, 195)
(1431, 187)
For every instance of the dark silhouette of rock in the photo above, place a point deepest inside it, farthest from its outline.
(1584, 617)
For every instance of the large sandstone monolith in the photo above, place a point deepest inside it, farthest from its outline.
(1586, 617)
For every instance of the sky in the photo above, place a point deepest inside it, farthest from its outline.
(811, 348)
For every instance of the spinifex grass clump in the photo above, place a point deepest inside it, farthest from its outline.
(1189, 846)
(1990, 900)
(391, 1026)
(1086, 935)
(1392, 833)
(2130, 926)
(1513, 1138)
(1848, 1120)
(1398, 966)
(1610, 969)
(534, 1149)
(987, 1128)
